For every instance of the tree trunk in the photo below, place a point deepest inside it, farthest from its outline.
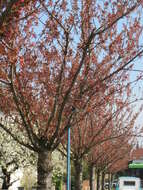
(6, 179)
(109, 179)
(98, 180)
(92, 177)
(103, 178)
(6, 183)
(44, 169)
(78, 175)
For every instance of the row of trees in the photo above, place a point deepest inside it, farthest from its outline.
(66, 64)
(108, 157)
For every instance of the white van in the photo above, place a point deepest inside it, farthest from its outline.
(129, 183)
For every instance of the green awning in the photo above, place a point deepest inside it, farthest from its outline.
(136, 165)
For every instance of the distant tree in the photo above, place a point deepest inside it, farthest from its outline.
(97, 129)
(105, 157)
(12, 158)
(59, 169)
(55, 62)
(29, 178)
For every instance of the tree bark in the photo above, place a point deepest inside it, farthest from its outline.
(109, 179)
(103, 178)
(44, 169)
(92, 177)
(78, 174)
(6, 182)
(6, 179)
(98, 180)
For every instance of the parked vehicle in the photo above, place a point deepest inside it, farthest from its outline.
(129, 183)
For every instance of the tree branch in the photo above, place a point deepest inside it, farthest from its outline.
(8, 131)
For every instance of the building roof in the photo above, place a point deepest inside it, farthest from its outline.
(137, 154)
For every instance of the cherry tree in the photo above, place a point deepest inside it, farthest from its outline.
(10, 14)
(95, 131)
(55, 62)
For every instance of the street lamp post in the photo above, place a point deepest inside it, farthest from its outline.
(68, 160)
